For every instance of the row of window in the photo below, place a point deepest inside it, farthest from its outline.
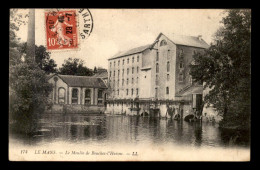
(167, 67)
(74, 98)
(123, 61)
(167, 91)
(123, 72)
(127, 91)
(168, 55)
(127, 81)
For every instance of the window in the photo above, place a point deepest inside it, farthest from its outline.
(118, 73)
(181, 53)
(127, 92)
(110, 74)
(138, 58)
(156, 92)
(74, 99)
(118, 62)
(100, 94)
(137, 69)
(127, 71)
(128, 61)
(123, 61)
(87, 96)
(126, 81)
(132, 80)
(168, 66)
(163, 42)
(118, 92)
(137, 80)
(133, 70)
(168, 55)
(168, 77)
(181, 77)
(61, 95)
(137, 91)
(118, 83)
(157, 80)
(123, 81)
(114, 73)
(110, 64)
(123, 72)
(167, 90)
(132, 92)
(157, 68)
(157, 56)
(181, 64)
(133, 59)
(114, 63)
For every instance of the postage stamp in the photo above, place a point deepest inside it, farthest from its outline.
(61, 30)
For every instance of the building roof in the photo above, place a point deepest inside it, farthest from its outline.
(103, 74)
(193, 89)
(192, 41)
(188, 41)
(82, 81)
(132, 51)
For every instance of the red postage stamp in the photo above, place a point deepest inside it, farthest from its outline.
(61, 30)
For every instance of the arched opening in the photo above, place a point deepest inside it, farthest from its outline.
(61, 95)
(163, 42)
(74, 99)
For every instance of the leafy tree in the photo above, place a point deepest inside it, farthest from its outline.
(28, 85)
(42, 58)
(29, 90)
(225, 69)
(75, 67)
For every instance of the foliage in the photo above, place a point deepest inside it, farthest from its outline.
(42, 58)
(28, 85)
(75, 67)
(225, 69)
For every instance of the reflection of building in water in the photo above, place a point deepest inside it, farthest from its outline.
(77, 93)
(147, 79)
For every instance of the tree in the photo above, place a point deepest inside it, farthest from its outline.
(28, 85)
(75, 67)
(225, 69)
(42, 58)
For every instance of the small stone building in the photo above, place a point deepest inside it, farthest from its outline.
(77, 93)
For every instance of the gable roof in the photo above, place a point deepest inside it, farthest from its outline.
(191, 41)
(131, 51)
(103, 74)
(82, 81)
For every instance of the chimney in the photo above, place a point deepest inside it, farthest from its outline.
(200, 37)
(31, 35)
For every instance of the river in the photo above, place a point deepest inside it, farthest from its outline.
(118, 130)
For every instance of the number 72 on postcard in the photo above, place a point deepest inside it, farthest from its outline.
(61, 30)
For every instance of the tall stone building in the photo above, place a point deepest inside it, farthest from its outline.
(149, 79)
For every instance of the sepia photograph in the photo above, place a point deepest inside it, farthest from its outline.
(89, 84)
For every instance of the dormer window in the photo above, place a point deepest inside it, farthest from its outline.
(163, 42)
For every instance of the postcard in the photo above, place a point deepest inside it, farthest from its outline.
(92, 84)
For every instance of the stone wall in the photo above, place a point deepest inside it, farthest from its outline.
(71, 108)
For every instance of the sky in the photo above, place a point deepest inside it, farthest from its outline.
(118, 30)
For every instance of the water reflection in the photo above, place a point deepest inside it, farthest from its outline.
(108, 130)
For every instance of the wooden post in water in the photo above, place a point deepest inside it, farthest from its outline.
(30, 52)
